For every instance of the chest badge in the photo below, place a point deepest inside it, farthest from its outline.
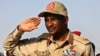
(70, 52)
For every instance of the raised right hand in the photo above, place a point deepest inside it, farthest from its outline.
(29, 24)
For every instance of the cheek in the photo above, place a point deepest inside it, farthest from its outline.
(47, 25)
(58, 25)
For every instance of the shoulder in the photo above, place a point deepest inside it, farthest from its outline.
(27, 41)
(44, 36)
(81, 39)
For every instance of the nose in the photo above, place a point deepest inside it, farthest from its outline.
(49, 23)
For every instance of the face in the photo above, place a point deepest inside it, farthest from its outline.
(54, 24)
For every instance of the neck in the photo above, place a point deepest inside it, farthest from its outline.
(61, 36)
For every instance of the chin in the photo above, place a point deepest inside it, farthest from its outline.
(51, 33)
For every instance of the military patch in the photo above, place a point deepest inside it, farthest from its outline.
(50, 6)
(70, 52)
(43, 53)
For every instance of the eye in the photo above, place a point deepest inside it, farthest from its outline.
(50, 18)
(53, 18)
(46, 19)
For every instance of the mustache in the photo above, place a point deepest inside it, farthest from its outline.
(51, 27)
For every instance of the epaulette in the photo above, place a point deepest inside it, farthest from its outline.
(44, 36)
(81, 39)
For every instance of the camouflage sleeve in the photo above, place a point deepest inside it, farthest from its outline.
(12, 40)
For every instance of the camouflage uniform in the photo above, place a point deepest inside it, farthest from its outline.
(44, 45)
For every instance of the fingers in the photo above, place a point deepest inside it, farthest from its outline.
(33, 19)
(30, 24)
(36, 21)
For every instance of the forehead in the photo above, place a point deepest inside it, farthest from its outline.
(54, 16)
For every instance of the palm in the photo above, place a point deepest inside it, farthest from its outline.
(30, 24)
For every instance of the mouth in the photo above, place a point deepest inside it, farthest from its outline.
(51, 29)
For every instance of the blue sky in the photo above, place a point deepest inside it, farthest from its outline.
(83, 16)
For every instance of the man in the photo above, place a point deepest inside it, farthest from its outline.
(59, 41)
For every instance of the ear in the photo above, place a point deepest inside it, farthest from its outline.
(66, 19)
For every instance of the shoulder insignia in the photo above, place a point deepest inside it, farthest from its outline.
(81, 39)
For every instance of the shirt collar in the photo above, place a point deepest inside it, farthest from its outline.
(69, 39)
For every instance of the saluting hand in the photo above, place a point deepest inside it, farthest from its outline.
(29, 24)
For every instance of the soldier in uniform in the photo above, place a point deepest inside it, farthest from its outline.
(59, 41)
